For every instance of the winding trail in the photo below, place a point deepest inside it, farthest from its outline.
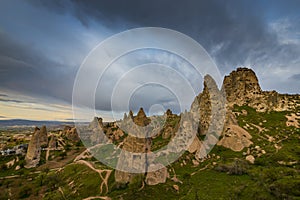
(99, 171)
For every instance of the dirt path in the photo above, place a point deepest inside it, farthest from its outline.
(62, 192)
(99, 171)
(87, 151)
(201, 169)
(260, 129)
(19, 176)
(97, 197)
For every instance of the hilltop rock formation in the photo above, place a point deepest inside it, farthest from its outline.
(242, 88)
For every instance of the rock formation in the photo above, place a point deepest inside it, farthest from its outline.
(155, 177)
(141, 119)
(34, 150)
(212, 108)
(53, 142)
(202, 105)
(235, 138)
(71, 134)
(43, 137)
(242, 88)
(134, 158)
(130, 114)
(97, 122)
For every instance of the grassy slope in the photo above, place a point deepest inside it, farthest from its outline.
(229, 178)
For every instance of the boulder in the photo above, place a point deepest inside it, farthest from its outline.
(156, 177)
(250, 158)
(235, 138)
(176, 187)
(196, 144)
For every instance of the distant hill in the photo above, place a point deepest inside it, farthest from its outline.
(23, 122)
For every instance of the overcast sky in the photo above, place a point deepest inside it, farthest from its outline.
(43, 43)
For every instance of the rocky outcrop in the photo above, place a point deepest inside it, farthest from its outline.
(53, 142)
(195, 146)
(96, 123)
(43, 136)
(71, 134)
(242, 88)
(130, 115)
(250, 158)
(202, 105)
(293, 120)
(34, 150)
(170, 125)
(141, 119)
(132, 158)
(209, 108)
(155, 177)
(235, 138)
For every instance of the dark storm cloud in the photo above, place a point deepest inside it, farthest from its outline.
(27, 70)
(295, 77)
(44, 43)
(233, 32)
(11, 100)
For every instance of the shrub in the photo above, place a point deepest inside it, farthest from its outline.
(25, 192)
(238, 167)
